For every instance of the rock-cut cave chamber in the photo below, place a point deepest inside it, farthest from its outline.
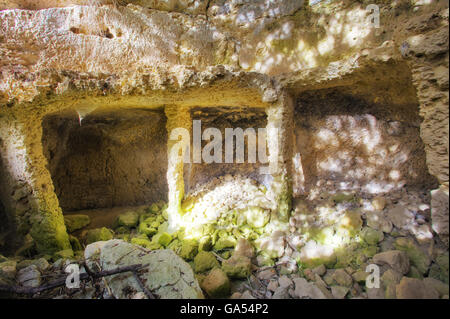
(343, 160)
(118, 158)
(106, 161)
(349, 124)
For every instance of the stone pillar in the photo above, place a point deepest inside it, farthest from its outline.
(431, 83)
(280, 139)
(179, 127)
(428, 59)
(26, 168)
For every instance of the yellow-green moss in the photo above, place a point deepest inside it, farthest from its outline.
(237, 267)
(145, 242)
(164, 239)
(75, 243)
(128, 219)
(98, 234)
(205, 261)
(49, 232)
(189, 249)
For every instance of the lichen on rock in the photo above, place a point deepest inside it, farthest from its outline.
(166, 275)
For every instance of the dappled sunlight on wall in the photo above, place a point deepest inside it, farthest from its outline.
(293, 42)
(350, 146)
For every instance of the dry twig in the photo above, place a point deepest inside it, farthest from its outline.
(62, 281)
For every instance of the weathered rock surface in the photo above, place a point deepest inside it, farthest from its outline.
(342, 278)
(441, 287)
(216, 284)
(339, 292)
(167, 275)
(205, 261)
(237, 267)
(439, 211)
(396, 259)
(418, 256)
(307, 290)
(401, 217)
(29, 276)
(8, 269)
(378, 220)
(128, 219)
(412, 288)
(66, 55)
(98, 234)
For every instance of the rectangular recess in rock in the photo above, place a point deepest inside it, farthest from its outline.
(111, 158)
(196, 174)
(345, 143)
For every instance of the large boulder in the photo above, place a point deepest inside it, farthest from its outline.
(166, 275)
(339, 292)
(390, 280)
(8, 269)
(401, 217)
(441, 287)
(342, 278)
(244, 248)
(379, 203)
(378, 220)
(29, 276)
(439, 270)
(372, 236)
(351, 220)
(188, 250)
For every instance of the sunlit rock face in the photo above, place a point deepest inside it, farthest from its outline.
(90, 92)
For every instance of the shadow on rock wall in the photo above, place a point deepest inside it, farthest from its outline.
(345, 144)
(111, 159)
